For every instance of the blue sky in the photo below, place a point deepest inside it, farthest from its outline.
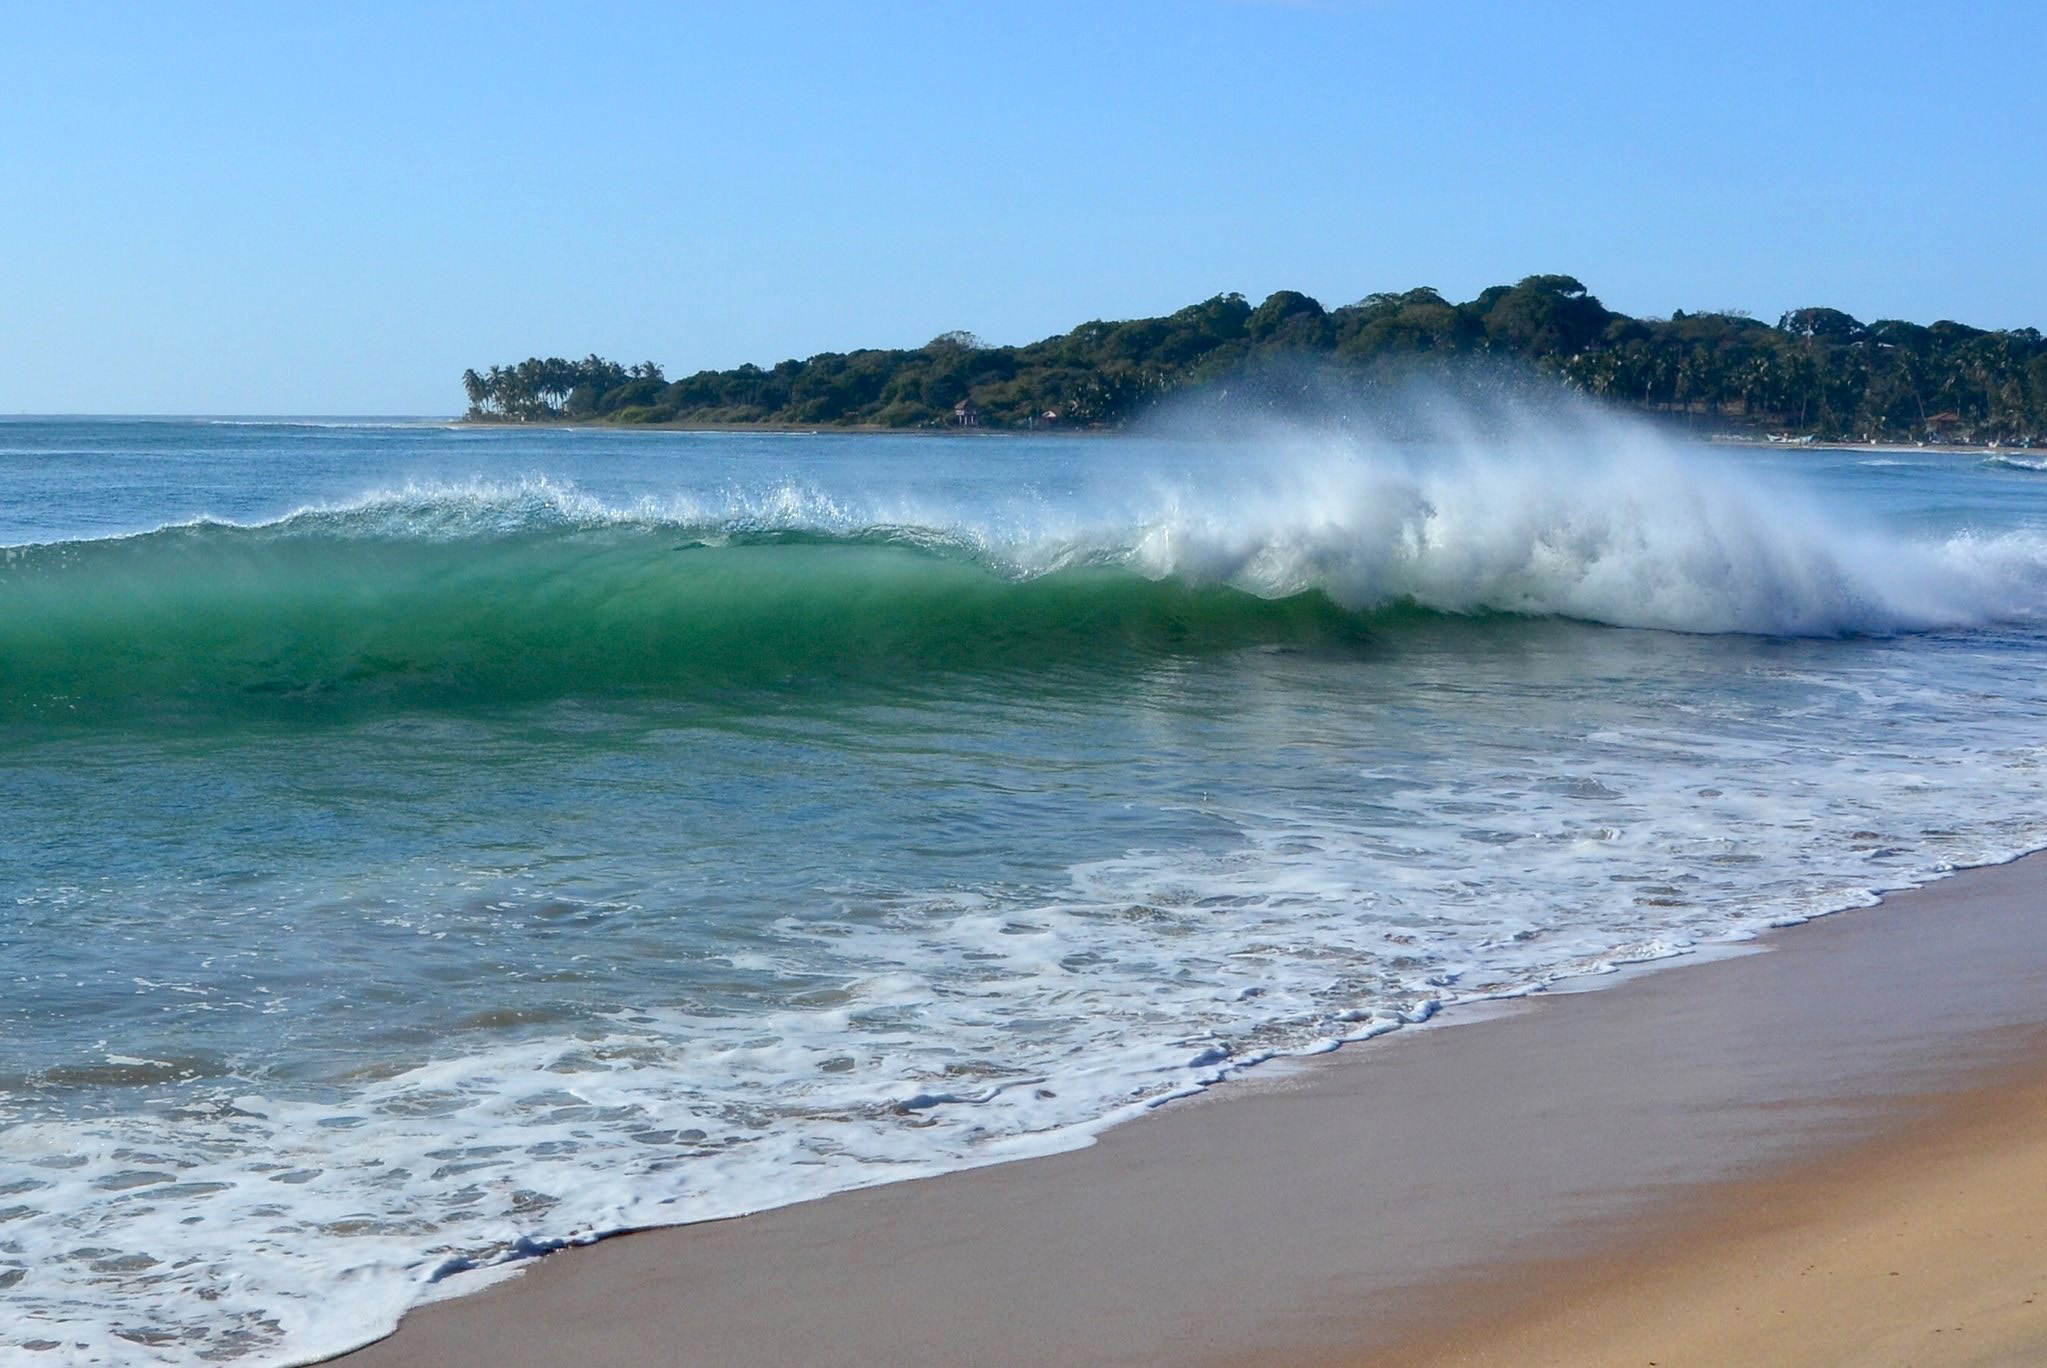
(299, 208)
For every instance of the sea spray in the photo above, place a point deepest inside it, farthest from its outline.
(1563, 509)
(536, 588)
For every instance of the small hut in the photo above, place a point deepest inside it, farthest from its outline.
(966, 413)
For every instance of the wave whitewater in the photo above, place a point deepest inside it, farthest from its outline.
(485, 592)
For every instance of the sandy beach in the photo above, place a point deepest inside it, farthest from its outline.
(1919, 1247)
(1832, 1150)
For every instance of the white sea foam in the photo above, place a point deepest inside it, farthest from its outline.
(1579, 515)
(1585, 516)
(972, 1027)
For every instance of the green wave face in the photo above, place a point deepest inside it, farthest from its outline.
(216, 618)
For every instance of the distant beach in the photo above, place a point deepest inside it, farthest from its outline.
(1727, 437)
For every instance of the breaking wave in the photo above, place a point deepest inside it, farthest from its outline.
(534, 589)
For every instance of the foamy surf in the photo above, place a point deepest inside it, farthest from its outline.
(521, 589)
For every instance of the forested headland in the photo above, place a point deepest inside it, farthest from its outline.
(1817, 371)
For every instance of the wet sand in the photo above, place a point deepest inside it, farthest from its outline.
(1720, 1162)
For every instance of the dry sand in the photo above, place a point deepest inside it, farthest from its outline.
(1832, 1152)
(1929, 1247)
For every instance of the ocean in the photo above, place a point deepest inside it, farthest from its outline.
(422, 847)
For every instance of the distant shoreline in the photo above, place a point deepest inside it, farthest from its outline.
(1716, 438)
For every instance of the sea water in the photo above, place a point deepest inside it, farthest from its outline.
(424, 846)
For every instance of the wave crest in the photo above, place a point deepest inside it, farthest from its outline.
(1650, 541)
(537, 588)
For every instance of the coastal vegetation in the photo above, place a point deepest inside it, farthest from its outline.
(1817, 371)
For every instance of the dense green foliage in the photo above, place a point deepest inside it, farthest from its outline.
(1817, 371)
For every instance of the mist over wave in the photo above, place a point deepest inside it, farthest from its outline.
(1607, 526)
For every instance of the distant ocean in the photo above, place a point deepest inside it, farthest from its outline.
(423, 847)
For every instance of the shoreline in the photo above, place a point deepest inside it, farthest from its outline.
(1732, 439)
(1399, 1195)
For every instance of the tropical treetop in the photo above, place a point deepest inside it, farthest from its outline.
(1816, 371)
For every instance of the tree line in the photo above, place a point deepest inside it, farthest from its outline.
(1817, 371)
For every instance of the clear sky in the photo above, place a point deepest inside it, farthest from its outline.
(301, 208)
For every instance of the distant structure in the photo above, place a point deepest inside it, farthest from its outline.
(966, 413)
(1942, 427)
